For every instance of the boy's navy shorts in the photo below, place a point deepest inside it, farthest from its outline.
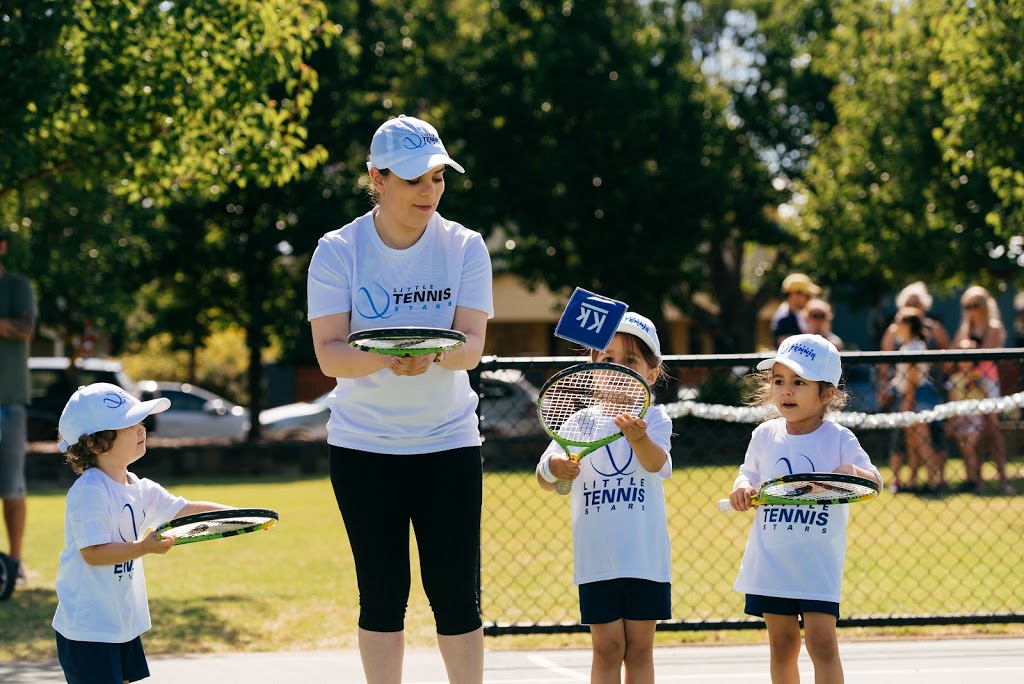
(627, 598)
(759, 605)
(92, 662)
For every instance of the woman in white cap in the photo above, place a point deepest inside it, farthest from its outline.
(403, 434)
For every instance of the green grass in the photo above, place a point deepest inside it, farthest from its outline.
(293, 587)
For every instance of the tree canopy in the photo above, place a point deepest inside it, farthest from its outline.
(173, 164)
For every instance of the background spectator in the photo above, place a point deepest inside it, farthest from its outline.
(819, 321)
(789, 319)
(17, 320)
(981, 322)
(913, 390)
(913, 297)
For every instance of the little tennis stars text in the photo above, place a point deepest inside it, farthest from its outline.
(607, 494)
(795, 518)
(421, 295)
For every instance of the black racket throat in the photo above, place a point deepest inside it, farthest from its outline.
(225, 514)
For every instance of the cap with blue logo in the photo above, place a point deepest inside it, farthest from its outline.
(642, 327)
(103, 406)
(812, 357)
(409, 147)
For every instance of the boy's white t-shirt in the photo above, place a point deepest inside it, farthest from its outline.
(797, 551)
(353, 271)
(619, 522)
(107, 603)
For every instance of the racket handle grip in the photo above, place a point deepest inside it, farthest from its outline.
(563, 487)
(725, 507)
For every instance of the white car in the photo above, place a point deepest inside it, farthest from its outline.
(508, 409)
(194, 412)
(301, 419)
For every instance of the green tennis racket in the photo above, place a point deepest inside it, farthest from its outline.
(578, 406)
(230, 522)
(406, 341)
(809, 489)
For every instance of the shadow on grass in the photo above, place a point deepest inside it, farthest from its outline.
(189, 625)
(196, 625)
(25, 631)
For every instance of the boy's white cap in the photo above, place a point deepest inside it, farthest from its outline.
(642, 327)
(812, 357)
(409, 147)
(102, 406)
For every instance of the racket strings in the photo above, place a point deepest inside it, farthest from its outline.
(582, 406)
(410, 343)
(212, 527)
(820, 491)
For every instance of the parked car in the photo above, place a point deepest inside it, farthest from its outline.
(508, 406)
(304, 419)
(53, 379)
(194, 412)
(508, 409)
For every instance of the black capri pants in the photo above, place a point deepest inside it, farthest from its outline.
(441, 494)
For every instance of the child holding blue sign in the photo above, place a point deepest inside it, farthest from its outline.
(622, 559)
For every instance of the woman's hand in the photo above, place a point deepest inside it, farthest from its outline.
(410, 365)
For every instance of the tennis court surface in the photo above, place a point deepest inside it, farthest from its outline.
(907, 661)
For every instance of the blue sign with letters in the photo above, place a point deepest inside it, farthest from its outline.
(590, 319)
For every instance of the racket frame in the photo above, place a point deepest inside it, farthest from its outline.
(565, 486)
(222, 514)
(762, 497)
(454, 338)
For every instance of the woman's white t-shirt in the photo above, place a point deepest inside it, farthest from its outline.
(107, 603)
(797, 551)
(619, 522)
(353, 271)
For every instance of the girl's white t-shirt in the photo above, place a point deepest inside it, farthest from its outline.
(619, 522)
(353, 271)
(797, 551)
(107, 603)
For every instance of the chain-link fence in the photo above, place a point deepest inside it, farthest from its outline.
(942, 546)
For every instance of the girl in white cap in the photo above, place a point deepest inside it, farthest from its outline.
(791, 569)
(102, 607)
(621, 548)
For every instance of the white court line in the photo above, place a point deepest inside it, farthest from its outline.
(554, 668)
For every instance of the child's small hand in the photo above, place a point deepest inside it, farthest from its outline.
(740, 497)
(847, 469)
(564, 468)
(153, 544)
(630, 427)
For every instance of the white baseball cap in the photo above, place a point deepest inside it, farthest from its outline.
(102, 406)
(642, 327)
(409, 147)
(812, 357)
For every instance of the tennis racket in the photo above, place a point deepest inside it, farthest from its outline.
(811, 488)
(217, 524)
(406, 341)
(578, 407)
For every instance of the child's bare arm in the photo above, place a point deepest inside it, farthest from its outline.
(113, 553)
(193, 507)
(850, 469)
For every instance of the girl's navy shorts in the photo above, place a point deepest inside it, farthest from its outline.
(759, 605)
(626, 598)
(92, 662)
